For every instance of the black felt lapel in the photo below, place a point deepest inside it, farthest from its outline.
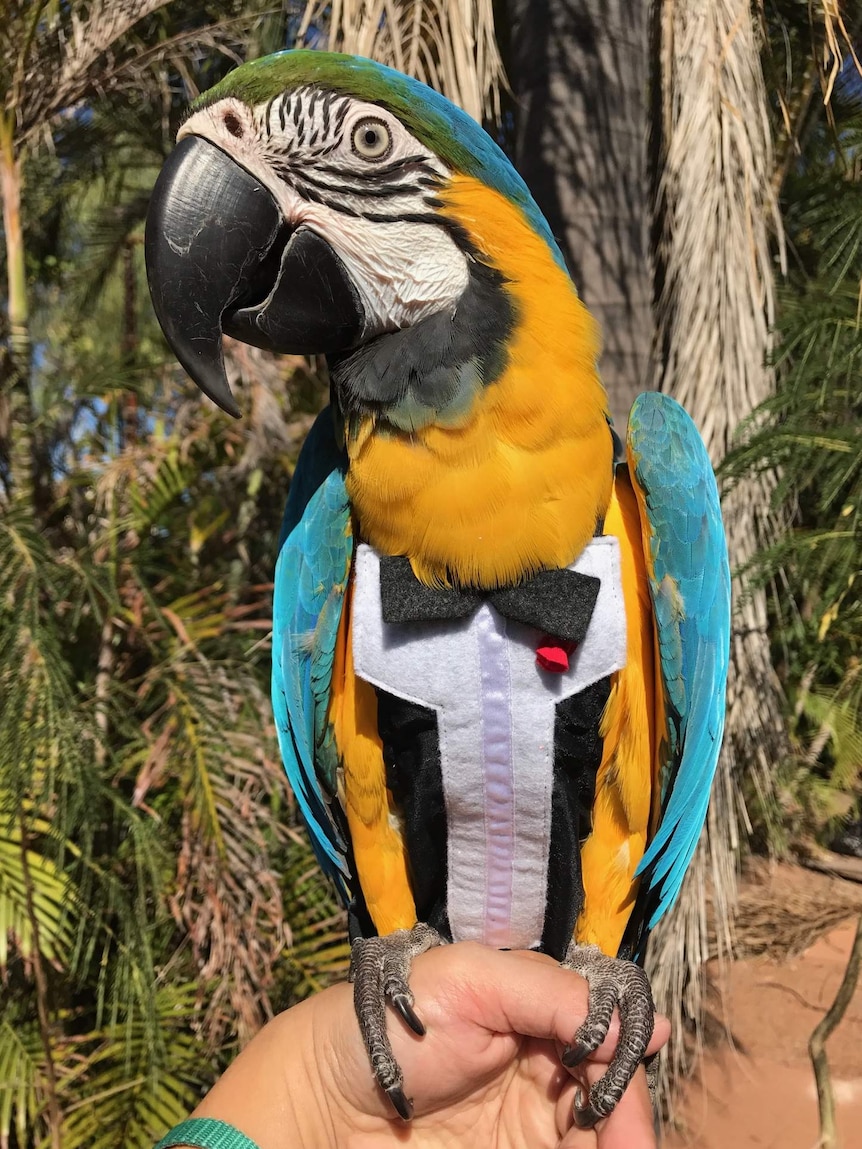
(558, 602)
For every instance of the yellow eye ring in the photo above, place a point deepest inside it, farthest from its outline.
(371, 139)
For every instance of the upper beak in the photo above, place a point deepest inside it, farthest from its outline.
(222, 259)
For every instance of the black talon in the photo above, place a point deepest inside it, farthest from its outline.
(612, 983)
(401, 1105)
(381, 969)
(408, 1014)
(585, 1115)
(574, 1054)
(653, 1065)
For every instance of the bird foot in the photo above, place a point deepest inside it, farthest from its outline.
(653, 1077)
(613, 983)
(379, 968)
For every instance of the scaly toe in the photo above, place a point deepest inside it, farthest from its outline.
(612, 983)
(381, 968)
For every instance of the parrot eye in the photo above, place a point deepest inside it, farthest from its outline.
(371, 139)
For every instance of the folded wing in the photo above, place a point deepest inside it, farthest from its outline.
(689, 578)
(311, 576)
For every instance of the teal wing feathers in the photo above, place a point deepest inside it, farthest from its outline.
(311, 575)
(690, 589)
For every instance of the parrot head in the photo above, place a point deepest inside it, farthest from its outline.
(305, 211)
(319, 203)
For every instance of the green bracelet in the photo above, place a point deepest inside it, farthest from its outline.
(206, 1133)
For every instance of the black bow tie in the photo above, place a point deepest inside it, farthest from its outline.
(557, 602)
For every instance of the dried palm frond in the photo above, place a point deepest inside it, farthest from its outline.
(449, 44)
(784, 909)
(837, 42)
(48, 56)
(53, 57)
(715, 313)
(803, 65)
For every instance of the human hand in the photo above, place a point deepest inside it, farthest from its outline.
(487, 1074)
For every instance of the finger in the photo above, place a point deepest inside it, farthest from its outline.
(605, 1052)
(632, 1123)
(630, 1126)
(524, 993)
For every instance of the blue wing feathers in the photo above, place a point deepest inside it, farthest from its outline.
(310, 582)
(690, 588)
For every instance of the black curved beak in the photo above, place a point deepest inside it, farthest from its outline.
(222, 260)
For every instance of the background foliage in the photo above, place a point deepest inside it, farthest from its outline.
(157, 902)
(809, 435)
(157, 899)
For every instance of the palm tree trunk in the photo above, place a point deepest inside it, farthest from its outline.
(716, 304)
(129, 344)
(715, 312)
(17, 386)
(684, 297)
(580, 73)
(52, 1103)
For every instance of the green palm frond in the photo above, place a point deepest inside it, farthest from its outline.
(53, 898)
(124, 1089)
(318, 952)
(154, 493)
(22, 1085)
(810, 434)
(835, 717)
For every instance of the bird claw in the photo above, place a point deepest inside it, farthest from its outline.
(613, 983)
(584, 1113)
(405, 1007)
(379, 968)
(575, 1053)
(400, 1103)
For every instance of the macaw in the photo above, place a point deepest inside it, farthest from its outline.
(500, 640)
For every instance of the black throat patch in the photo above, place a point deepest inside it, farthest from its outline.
(430, 372)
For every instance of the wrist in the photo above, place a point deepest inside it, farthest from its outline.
(335, 1073)
(311, 1097)
(276, 1092)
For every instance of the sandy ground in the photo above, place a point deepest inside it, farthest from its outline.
(761, 1091)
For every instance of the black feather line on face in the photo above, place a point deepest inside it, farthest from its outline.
(332, 200)
(421, 367)
(341, 114)
(267, 117)
(301, 160)
(327, 103)
(301, 176)
(407, 165)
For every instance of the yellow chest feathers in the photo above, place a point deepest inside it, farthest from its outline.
(520, 483)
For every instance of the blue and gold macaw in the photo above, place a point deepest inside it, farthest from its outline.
(499, 650)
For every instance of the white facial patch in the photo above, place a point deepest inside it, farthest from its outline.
(402, 271)
(306, 147)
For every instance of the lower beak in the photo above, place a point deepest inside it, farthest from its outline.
(222, 260)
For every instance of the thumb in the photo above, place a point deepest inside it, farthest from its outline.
(630, 1126)
(521, 992)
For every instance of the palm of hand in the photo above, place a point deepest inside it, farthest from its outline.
(487, 1075)
(474, 1078)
